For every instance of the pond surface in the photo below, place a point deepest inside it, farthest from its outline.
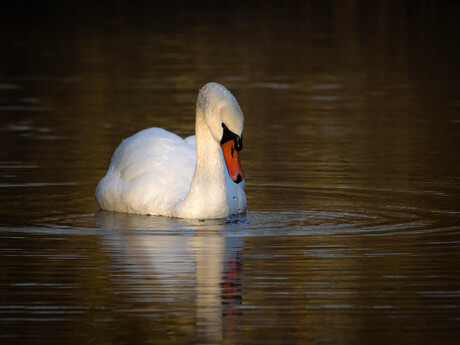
(351, 158)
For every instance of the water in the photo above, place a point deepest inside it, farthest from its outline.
(352, 140)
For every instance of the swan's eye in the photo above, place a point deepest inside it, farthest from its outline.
(228, 135)
(239, 143)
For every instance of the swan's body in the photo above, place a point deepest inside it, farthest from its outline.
(156, 172)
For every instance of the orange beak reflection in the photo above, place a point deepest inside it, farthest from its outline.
(232, 161)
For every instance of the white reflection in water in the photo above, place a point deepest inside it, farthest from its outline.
(194, 256)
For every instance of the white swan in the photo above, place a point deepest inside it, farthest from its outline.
(156, 172)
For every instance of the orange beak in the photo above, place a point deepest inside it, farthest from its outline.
(232, 161)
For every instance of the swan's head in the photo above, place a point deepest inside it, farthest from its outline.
(225, 121)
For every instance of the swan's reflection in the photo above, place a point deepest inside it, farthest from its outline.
(176, 254)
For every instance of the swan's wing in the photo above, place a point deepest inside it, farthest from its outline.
(149, 173)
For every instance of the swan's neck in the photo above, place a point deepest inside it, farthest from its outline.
(207, 196)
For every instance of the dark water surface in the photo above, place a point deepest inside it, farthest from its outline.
(351, 154)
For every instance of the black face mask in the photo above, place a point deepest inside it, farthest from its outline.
(229, 135)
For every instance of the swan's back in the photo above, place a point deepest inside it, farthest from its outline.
(150, 173)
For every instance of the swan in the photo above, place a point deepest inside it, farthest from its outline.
(156, 172)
